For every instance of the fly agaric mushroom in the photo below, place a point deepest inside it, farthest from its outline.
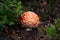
(30, 19)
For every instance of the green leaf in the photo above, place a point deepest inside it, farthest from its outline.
(18, 7)
(58, 22)
(52, 4)
(11, 22)
(4, 19)
(1, 24)
(19, 3)
(51, 31)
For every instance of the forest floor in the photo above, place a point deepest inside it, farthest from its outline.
(21, 33)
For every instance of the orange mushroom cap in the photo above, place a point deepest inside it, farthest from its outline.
(30, 19)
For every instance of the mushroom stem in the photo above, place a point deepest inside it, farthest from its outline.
(28, 29)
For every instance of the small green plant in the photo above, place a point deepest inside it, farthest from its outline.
(9, 10)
